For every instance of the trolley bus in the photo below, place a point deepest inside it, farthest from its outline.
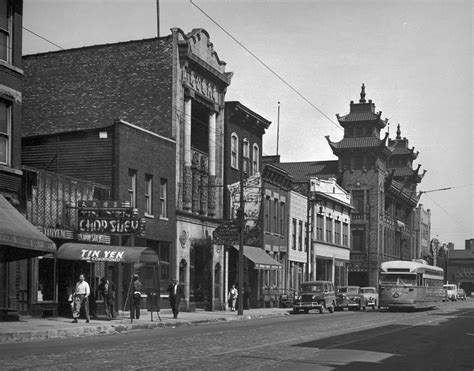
(410, 285)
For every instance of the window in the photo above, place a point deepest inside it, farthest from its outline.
(267, 214)
(337, 232)
(328, 230)
(148, 194)
(132, 188)
(319, 227)
(163, 198)
(46, 289)
(293, 235)
(345, 232)
(255, 159)
(234, 151)
(300, 236)
(358, 201)
(358, 240)
(5, 132)
(5, 31)
(275, 216)
(282, 218)
(245, 155)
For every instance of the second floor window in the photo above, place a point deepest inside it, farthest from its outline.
(358, 200)
(5, 31)
(345, 233)
(149, 194)
(337, 232)
(328, 230)
(300, 236)
(234, 151)
(319, 227)
(5, 132)
(255, 159)
(132, 187)
(293, 236)
(245, 155)
(164, 198)
(282, 218)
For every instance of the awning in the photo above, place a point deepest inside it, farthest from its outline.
(260, 258)
(19, 239)
(106, 253)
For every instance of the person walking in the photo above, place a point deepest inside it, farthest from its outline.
(107, 289)
(136, 297)
(176, 293)
(81, 299)
(232, 297)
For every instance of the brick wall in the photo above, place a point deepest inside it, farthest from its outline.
(91, 86)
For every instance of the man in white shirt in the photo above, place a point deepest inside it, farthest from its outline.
(81, 298)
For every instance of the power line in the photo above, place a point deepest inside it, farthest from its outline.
(460, 223)
(43, 38)
(266, 65)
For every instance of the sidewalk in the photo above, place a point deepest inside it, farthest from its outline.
(32, 328)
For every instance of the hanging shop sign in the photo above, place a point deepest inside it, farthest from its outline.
(109, 217)
(227, 233)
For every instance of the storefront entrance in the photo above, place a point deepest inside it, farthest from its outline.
(201, 271)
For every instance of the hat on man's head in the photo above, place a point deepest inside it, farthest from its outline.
(135, 275)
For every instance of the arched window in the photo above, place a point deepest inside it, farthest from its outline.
(234, 151)
(255, 159)
(246, 156)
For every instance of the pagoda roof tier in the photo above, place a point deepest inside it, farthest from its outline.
(371, 142)
(401, 192)
(302, 171)
(407, 172)
(364, 116)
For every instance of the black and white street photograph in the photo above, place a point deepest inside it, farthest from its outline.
(236, 185)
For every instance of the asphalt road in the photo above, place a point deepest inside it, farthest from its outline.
(440, 339)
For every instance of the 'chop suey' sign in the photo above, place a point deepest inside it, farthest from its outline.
(102, 255)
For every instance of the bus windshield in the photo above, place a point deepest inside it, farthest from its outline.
(398, 279)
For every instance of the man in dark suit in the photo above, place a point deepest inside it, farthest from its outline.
(176, 293)
(107, 289)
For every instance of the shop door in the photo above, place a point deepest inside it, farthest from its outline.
(201, 275)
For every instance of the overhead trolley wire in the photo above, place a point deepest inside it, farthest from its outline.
(276, 74)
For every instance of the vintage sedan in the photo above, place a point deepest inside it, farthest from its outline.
(349, 297)
(371, 296)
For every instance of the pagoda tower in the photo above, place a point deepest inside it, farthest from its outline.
(378, 173)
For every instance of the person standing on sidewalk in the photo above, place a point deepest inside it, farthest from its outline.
(232, 297)
(81, 298)
(176, 293)
(136, 297)
(107, 289)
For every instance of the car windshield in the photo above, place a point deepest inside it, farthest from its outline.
(450, 287)
(349, 290)
(398, 279)
(312, 288)
(367, 291)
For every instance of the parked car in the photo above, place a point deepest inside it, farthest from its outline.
(461, 294)
(452, 291)
(315, 295)
(371, 296)
(349, 297)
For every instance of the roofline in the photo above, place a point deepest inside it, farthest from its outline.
(250, 112)
(95, 46)
(146, 131)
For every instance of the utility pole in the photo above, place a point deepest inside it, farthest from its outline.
(158, 18)
(308, 227)
(278, 127)
(241, 222)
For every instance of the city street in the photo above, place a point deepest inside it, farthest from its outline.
(440, 339)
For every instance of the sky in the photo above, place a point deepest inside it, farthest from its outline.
(414, 57)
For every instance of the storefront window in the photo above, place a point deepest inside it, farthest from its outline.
(45, 291)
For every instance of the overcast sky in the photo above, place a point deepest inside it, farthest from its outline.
(415, 58)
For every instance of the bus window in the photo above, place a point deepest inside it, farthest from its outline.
(419, 278)
(398, 279)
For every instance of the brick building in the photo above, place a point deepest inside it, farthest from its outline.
(173, 87)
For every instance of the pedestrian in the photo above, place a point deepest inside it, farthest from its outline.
(136, 297)
(176, 293)
(107, 289)
(232, 297)
(81, 299)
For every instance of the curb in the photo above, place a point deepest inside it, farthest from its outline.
(67, 333)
